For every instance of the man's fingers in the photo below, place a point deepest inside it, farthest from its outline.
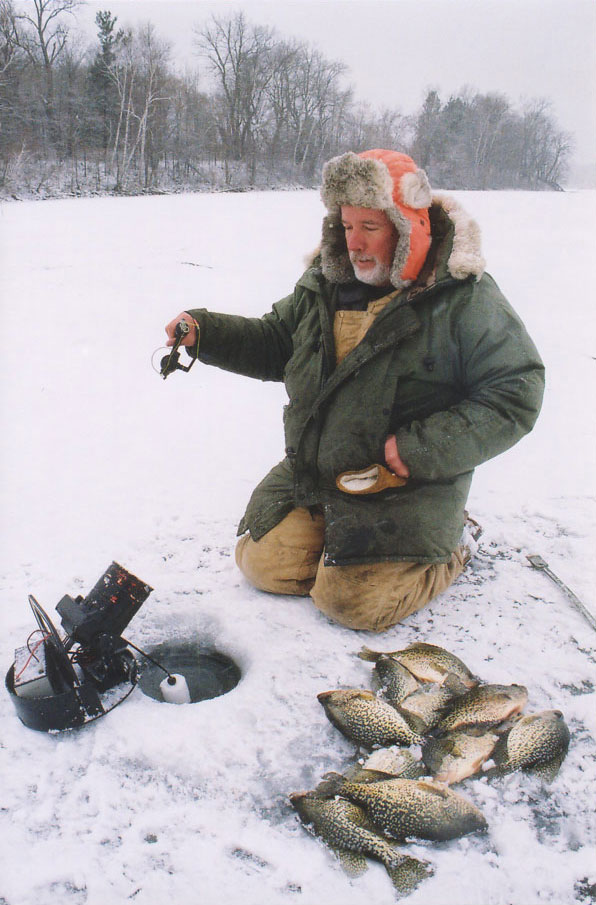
(392, 457)
(190, 338)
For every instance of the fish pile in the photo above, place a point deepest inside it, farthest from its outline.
(426, 699)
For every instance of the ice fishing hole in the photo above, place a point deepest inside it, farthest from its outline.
(208, 672)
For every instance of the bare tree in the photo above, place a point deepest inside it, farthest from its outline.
(42, 34)
(367, 128)
(240, 57)
(545, 149)
(140, 75)
(9, 43)
(308, 104)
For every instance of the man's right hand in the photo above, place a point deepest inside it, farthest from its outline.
(190, 338)
(393, 458)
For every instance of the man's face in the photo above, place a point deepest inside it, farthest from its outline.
(371, 239)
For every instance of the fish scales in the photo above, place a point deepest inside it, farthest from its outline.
(345, 824)
(485, 705)
(536, 739)
(427, 662)
(393, 679)
(424, 708)
(365, 719)
(345, 827)
(409, 807)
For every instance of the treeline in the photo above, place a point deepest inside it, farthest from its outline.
(118, 116)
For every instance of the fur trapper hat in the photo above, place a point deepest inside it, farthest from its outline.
(382, 180)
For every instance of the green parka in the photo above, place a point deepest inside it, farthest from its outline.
(447, 366)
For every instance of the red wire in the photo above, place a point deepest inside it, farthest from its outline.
(31, 655)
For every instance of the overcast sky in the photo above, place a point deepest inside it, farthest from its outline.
(397, 49)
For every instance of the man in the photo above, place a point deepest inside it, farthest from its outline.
(405, 368)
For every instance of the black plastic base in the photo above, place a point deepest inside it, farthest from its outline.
(66, 710)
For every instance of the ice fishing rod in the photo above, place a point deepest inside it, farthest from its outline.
(537, 562)
(171, 362)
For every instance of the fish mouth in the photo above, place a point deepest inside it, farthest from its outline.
(324, 696)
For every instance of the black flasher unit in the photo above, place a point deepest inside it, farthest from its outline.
(57, 681)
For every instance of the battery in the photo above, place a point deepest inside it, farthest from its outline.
(30, 673)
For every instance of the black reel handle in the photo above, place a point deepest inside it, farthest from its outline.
(171, 362)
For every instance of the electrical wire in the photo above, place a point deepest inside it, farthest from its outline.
(27, 642)
(151, 660)
(31, 654)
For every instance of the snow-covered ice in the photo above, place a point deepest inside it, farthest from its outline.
(102, 460)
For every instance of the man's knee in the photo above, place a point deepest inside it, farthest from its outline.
(376, 596)
(349, 595)
(285, 560)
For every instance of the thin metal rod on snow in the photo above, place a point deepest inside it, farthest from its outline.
(539, 563)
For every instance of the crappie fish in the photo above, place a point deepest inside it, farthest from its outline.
(537, 741)
(426, 662)
(457, 755)
(410, 807)
(399, 762)
(365, 719)
(484, 706)
(393, 680)
(424, 708)
(347, 830)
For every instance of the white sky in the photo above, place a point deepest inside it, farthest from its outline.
(397, 49)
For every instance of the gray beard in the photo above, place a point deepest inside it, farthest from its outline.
(378, 276)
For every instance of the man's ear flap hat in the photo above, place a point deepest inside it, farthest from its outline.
(381, 180)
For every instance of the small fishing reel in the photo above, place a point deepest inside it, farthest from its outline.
(171, 362)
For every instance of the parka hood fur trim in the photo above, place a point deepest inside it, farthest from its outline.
(464, 258)
(391, 182)
(466, 251)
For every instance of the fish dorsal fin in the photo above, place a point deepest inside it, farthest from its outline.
(357, 773)
(366, 695)
(429, 785)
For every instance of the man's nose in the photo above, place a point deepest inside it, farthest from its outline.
(355, 240)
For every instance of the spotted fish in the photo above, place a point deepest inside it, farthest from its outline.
(538, 742)
(424, 708)
(485, 706)
(347, 830)
(397, 761)
(427, 662)
(365, 719)
(457, 755)
(393, 680)
(409, 807)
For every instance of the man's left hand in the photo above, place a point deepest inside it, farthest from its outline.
(392, 457)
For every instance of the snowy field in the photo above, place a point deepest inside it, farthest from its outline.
(102, 460)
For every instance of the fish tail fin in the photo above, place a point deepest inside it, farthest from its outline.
(365, 653)
(330, 785)
(353, 863)
(407, 873)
